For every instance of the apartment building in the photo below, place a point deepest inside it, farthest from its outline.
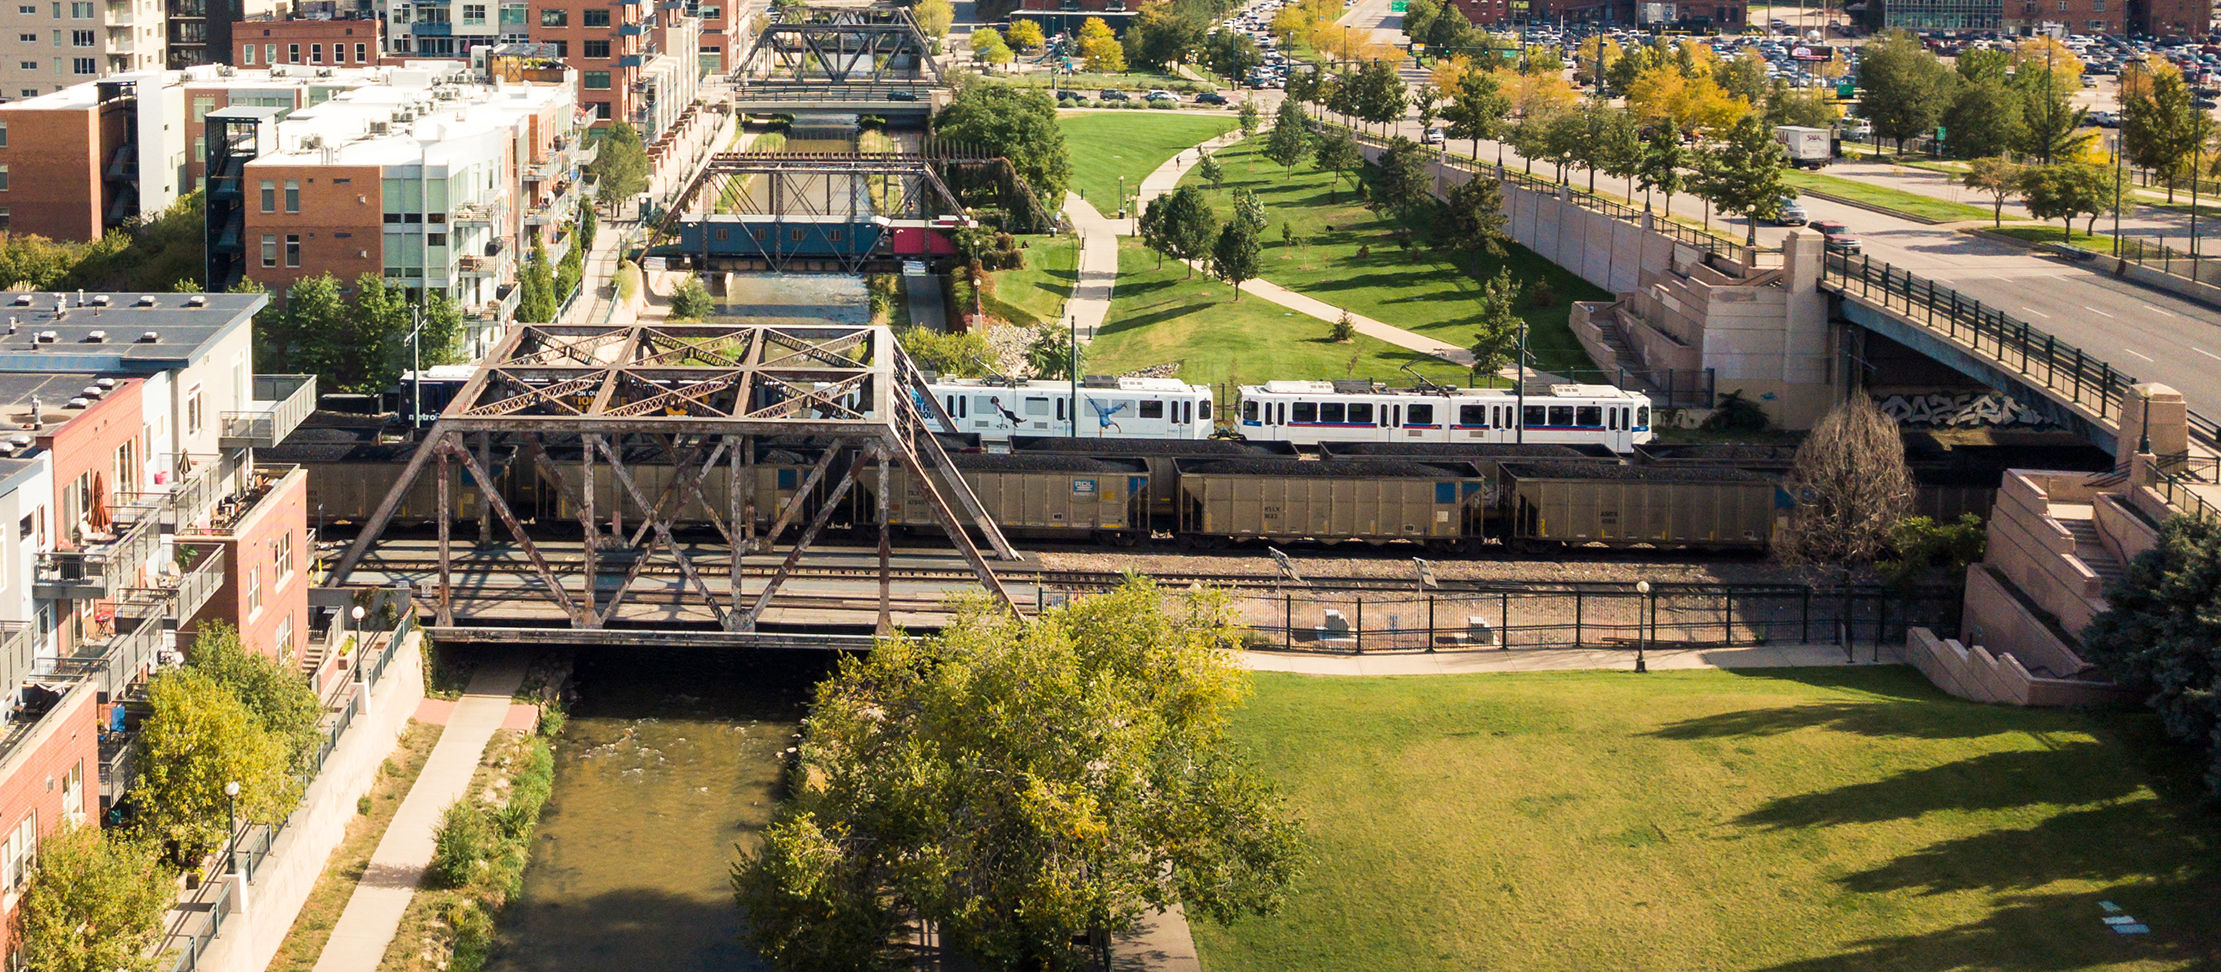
(199, 31)
(450, 28)
(49, 45)
(637, 61)
(351, 39)
(77, 162)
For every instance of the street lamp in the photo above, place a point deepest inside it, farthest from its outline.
(231, 800)
(1642, 630)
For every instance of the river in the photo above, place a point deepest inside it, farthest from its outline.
(670, 759)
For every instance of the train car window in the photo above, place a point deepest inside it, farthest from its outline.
(832, 236)
(1589, 416)
(724, 233)
(1642, 416)
(1560, 416)
(1249, 411)
(1203, 409)
(1473, 415)
(1616, 415)
(758, 233)
(795, 234)
(1060, 410)
(1307, 412)
(1037, 406)
(985, 403)
(1419, 415)
(1361, 412)
(1531, 416)
(1152, 409)
(1330, 411)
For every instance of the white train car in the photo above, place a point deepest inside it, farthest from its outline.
(1312, 412)
(1126, 408)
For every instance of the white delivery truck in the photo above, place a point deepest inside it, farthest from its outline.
(1809, 148)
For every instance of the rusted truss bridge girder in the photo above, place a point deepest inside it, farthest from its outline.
(841, 45)
(698, 395)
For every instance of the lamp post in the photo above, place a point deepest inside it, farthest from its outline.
(231, 801)
(1642, 628)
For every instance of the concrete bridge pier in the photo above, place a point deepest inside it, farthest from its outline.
(2155, 421)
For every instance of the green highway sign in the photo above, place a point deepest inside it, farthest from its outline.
(1399, 6)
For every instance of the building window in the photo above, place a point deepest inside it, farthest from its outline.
(292, 53)
(31, 38)
(292, 249)
(711, 13)
(3, 177)
(474, 13)
(269, 53)
(281, 555)
(435, 239)
(316, 53)
(555, 18)
(3, 134)
(562, 48)
(269, 249)
(246, 55)
(359, 54)
(4, 219)
(254, 591)
(73, 794)
(27, 8)
(29, 66)
(601, 108)
(594, 18)
(284, 637)
(16, 857)
(269, 196)
(81, 38)
(292, 195)
(87, 65)
(594, 80)
(594, 49)
(202, 105)
(193, 402)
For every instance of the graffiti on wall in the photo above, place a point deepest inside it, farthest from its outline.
(1962, 410)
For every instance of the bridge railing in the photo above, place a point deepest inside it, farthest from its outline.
(2038, 357)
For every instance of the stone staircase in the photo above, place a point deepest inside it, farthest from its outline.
(2081, 521)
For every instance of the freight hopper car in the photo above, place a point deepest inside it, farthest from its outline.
(347, 481)
(1031, 495)
(1442, 505)
(1161, 456)
(778, 474)
(1577, 504)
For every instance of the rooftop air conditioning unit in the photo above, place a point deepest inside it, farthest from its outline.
(150, 337)
(311, 143)
(77, 403)
(197, 300)
(48, 337)
(380, 128)
(96, 337)
(89, 392)
(100, 300)
(146, 300)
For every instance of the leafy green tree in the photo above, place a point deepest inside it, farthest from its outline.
(2051, 126)
(1473, 217)
(1922, 550)
(1234, 256)
(1379, 93)
(442, 339)
(692, 301)
(1290, 138)
(1619, 146)
(1231, 54)
(315, 333)
(1050, 357)
(1249, 118)
(2159, 629)
(1496, 342)
(1250, 210)
(1021, 123)
(569, 272)
(198, 738)
(620, 167)
(1999, 178)
(988, 47)
(1337, 153)
(934, 18)
(1063, 777)
(1803, 107)
(1746, 175)
(95, 904)
(1984, 120)
(2162, 128)
(1743, 76)
(1663, 159)
(536, 304)
(1188, 228)
(1983, 64)
(587, 228)
(956, 355)
(1425, 99)
(272, 688)
(1162, 33)
(1210, 171)
(1406, 183)
(1906, 87)
(2065, 190)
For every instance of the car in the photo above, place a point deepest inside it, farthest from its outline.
(1067, 94)
(1113, 94)
(1836, 236)
(1432, 136)
(1790, 213)
(1162, 95)
(902, 94)
(1210, 98)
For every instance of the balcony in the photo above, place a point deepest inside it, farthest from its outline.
(476, 212)
(121, 43)
(116, 662)
(205, 485)
(179, 595)
(280, 403)
(472, 265)
(234, 506)
(102, 564)
(117, 15)
(542, 171)
(426, 29)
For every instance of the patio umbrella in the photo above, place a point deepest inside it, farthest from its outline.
(98, 514)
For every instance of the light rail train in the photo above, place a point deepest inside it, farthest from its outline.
(1315, 412)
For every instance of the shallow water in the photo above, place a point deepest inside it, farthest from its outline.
(671, 757)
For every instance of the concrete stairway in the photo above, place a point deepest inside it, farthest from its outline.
(2081, 521)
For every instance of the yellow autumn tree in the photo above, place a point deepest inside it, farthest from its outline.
(1100, 48)
(1667, 97)
(1538, 95)
(2038, 53)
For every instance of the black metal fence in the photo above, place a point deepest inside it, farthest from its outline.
(1612, 616)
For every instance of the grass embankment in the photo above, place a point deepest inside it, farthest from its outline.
(1036, 292)
(1882, 197)
(1353, 262)
(313, 926)
(1087, 83)
(1106, 146)
(2045, 233)
(1160, 315)
(449, 927)
(1795, 820)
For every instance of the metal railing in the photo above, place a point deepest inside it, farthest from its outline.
(2013, 344)
(205, 486)
(97, 570)
(281, 402)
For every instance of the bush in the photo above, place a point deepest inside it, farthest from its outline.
(1542, 294)
(1344, 330)
(461, 844)
(1164, 105)
(362, 805)
(1736, 414)
(691, 301)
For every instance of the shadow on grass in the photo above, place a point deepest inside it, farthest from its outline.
(2066, 775)
(1878, 719)
(2001, 940)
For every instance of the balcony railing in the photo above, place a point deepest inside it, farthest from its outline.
(205, 486)
(114, 663)
(223, 519)
(542, 171)
(98, 569)
(477, 212)
(474, 265)
(280, 403)
(119, 765)
(177, 597)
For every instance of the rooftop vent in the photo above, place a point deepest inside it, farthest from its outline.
(21, 439)
(49, 337)
(100, 300)
(197, 300)
(105, 382)
(23, 300)
(96, 337)
(78, 403)
(150, 337)
(90, 392)
(146, 300)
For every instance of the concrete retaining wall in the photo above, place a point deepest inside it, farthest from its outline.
(250, 938)
(1975, 673)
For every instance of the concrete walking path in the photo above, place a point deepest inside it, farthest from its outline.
(1563, 660)
(359, 941)
(1098, 266)
(1409, 340)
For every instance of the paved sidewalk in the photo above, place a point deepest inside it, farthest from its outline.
(1098, 269)
(373, 915)
(1562, 660)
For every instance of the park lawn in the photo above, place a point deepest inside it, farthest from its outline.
(1882, 197)
(2047, 233)
(1108, 145)
(1036, 293)
(1435, 296)
(1088, 83)
(1158, 316)
(1794, 820)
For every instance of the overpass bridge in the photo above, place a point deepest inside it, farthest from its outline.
(840, 60)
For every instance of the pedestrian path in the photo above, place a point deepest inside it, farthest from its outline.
(1410, 340)
(373, 914)
(1098, 269)
(1564, 660)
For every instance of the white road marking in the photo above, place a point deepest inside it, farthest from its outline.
(2209, 354)
(2160, 311)
(2037, 313)
(2096, 311)
(2139, 354)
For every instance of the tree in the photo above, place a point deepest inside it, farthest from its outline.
(536, 303)
(956, 355)
(1250, 118)
(1473, 217)
(2156, 635)
(1250, 210)
(199, 737)
(1850, 486)
(2162, 128)
(1803, 107)
(1906, 87)
(1100, 48)
(441, 340)
(1231, 54)
(1660, 170)
(1025, 35)
(2065, 190)
(1476, 109)
(270, 687)
(1343, 330)
(95, 904)
(692, 301)
(1984, 120)
(1997, 177)
(377, 325)
(1585, 59)
(1021, 124)
(588, 228)
(2047, 74)
(1210, 171)
(314, 332)
(1424, 100)
(1063, 777)
(1337, 153)
(1745, 175)
(1497, 341)
(1234, 256)
(988, 47)
(620, 167)
(1378, 93)
(1184, 227)
(1160, 33)
(1290, 137)
(934, 17)
(1405, 184)
(1684, 104)
(1742, 77)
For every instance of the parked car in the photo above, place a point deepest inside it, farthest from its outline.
(902, 94)
(1162, 95)
(1432, 136)
(1790, 213)
(1210, 98)
(1836, 236)
(1113, 94)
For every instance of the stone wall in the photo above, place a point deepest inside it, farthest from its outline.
(1977, 674)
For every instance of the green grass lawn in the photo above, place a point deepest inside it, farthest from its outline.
(1882, 197)
(1159, 315)
(1434, 296)
(1108, 145)
(2050, 233)
(1087, 83)
(1792, 820)
(1037, 292)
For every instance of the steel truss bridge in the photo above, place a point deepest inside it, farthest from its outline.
(871, 59)
(698, 395)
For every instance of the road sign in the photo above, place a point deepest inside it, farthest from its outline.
(1399, 6)
(1287, 566)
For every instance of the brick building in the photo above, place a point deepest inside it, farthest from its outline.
(46, 46)
(85, 159)
(347, 41)
(2077, 16)
(1492, 13)
(636, 62)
